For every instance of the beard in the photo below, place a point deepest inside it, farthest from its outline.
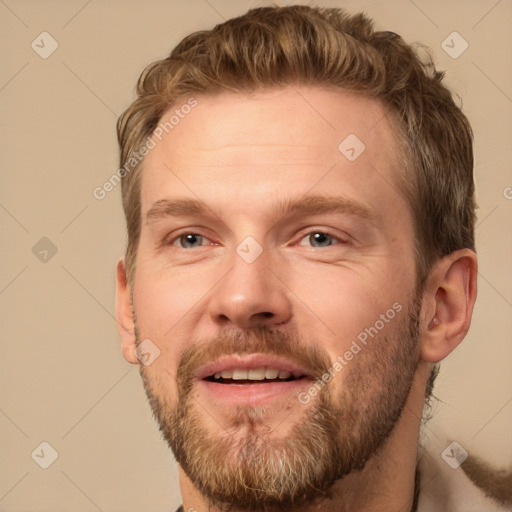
(245, 464)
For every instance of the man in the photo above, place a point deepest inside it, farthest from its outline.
(300, 206)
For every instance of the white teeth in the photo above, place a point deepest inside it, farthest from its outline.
(256, 374)
(253, 374)
(271, 373)
(239, 374)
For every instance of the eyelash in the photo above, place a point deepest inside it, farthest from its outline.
(327, 234)
(173, 241)
(336, 239)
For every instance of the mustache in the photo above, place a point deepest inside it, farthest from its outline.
(262, 340)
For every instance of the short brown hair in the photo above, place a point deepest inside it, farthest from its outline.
(300, 45)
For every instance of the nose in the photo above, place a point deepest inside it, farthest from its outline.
(250, 295)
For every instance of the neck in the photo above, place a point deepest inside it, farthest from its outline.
(386, 483)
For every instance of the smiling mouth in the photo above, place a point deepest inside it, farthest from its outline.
(253, 376)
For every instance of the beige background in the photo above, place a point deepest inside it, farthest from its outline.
(63, 379)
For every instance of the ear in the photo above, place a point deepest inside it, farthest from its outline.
(124, 314)
(448, 300)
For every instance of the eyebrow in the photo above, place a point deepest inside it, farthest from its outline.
(326, 204)
(308, 205)
(175, 208)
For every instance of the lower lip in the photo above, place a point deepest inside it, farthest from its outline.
(252, 394)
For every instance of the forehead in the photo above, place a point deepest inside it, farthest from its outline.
(288, 136)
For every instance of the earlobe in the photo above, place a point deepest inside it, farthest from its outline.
(124, 314)
(450, 295)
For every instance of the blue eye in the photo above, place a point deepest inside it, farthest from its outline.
(318, 239)
(189, 241)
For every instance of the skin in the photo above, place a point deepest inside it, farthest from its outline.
(241, 155)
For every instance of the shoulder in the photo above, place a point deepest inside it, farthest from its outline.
(445, 488)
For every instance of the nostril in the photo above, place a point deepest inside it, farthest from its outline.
(267, 314)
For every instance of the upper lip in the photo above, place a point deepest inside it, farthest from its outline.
(248, 362)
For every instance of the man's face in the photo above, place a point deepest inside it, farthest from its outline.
(267, 254)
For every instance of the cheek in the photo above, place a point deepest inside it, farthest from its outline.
(162, 309)
(341, 304)
(165, 297)
(165, 310)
